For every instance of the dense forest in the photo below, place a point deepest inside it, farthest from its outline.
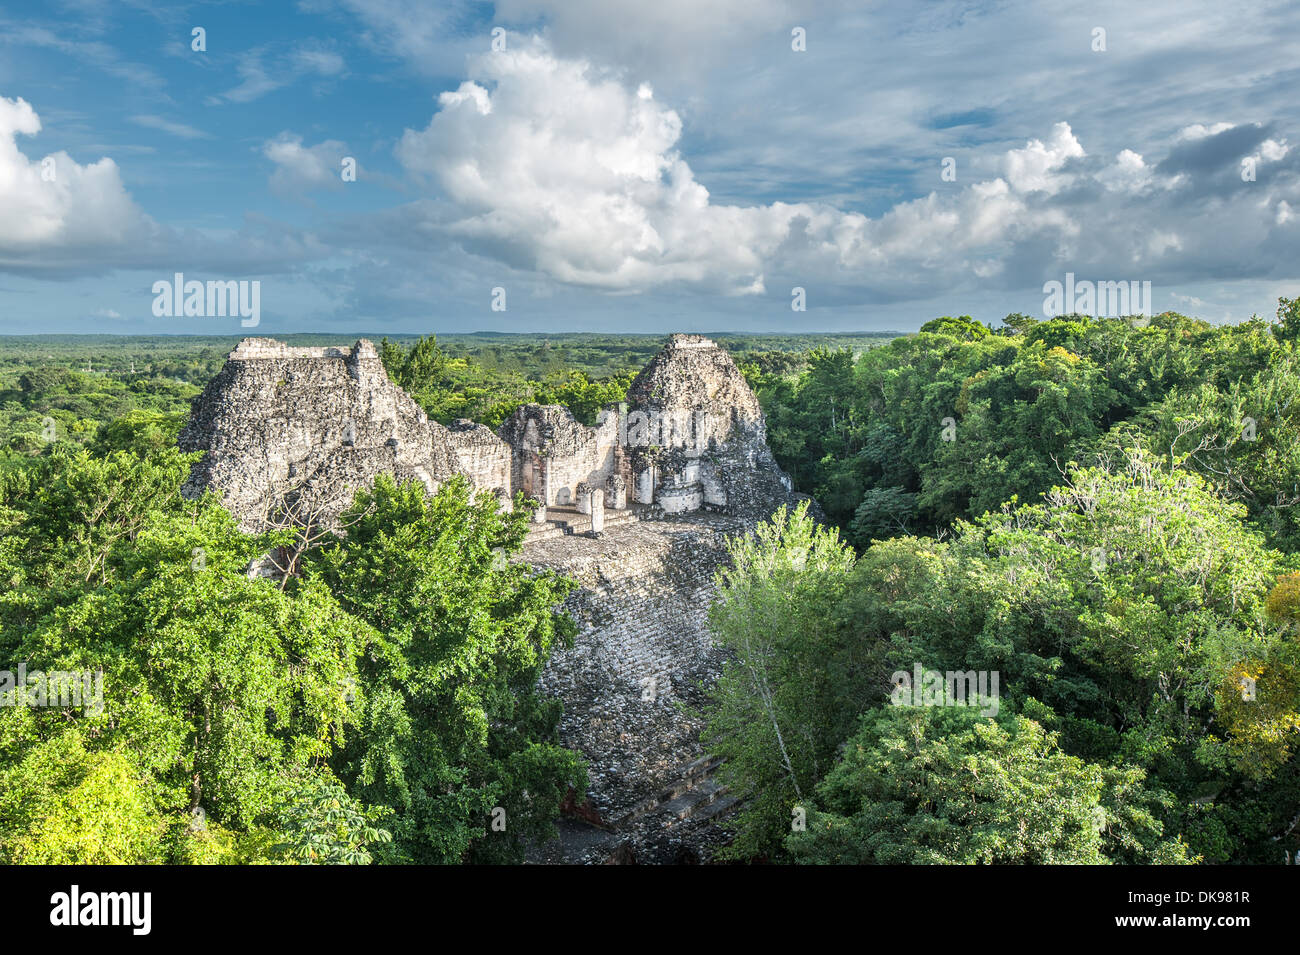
(1101, 512)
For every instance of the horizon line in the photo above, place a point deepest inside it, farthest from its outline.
(372, 335)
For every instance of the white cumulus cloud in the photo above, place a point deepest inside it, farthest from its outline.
(61, 217)
(55, 201)
(1035, 168)
(555, 166)
(560, 168)
(552, 165)
(299, 168)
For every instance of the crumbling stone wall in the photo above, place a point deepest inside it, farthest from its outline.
(314, 424)
(632, 683)
(481, 455)
(552, 452)
(718, 456)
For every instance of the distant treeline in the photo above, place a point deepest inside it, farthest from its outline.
(81, 382)
(196, 358)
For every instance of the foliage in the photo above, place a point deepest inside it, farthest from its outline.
(323, 825)
(1103, 512)
(945, 785)
(61, 804)
(1120, 615)
(405, 657)
(788, 695)
(452, 727)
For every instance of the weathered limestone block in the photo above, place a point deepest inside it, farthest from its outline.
(480, 454)
(645, 486)
(681, 498)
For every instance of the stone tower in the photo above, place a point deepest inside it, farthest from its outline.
(707, 435)
(313, 424)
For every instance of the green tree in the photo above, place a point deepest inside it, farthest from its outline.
(61, 804)
(453, 727)
(927, 785)
(794, 685)
(214, 685)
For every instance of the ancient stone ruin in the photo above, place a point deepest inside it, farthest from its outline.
(314, 424)
(637, 509)
(284, 425)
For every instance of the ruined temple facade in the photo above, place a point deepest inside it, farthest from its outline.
(636, 509)
(317, 423)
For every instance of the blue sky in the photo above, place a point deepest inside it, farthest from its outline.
(619, 166)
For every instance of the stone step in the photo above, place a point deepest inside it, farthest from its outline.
(694, 775)
(562, 520)
(705, 765)
(716, 807)
(555, 514)
(582, 524)
(691, 802)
